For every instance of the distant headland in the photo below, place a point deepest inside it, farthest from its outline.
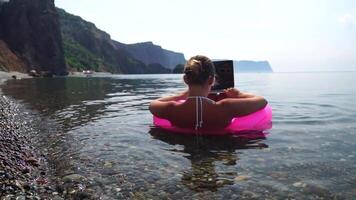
(242, 66)
(247, 66)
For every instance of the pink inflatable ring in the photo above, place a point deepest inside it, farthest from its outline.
(258, 121)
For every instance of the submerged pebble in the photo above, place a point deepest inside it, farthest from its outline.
(73, 178)
(250, 194)
(299, 184)
(242, 178)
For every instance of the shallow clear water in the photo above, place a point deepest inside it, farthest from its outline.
(100, 128)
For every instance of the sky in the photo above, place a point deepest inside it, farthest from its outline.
(293, 35)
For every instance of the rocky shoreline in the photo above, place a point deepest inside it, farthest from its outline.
(26, 168)
(11, 75)
(23, 170)
(19, 164)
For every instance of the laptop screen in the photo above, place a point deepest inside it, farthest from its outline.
(224, 76)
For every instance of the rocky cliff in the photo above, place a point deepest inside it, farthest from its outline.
(150, 53)
(9, 61)
(245, 66)
(32, 34)
(36, 35)
(87, 47)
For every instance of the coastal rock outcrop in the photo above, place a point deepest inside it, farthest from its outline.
(36, 36)
(245, 66)
(9, 61)
(150, 53)
(178, 69)
(87, 47)
(31, 31)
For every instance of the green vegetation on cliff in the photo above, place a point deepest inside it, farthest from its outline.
(87, 47)
(78, 57)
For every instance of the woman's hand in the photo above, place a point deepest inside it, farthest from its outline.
(232, 93)
(240, 103)
(235, 93)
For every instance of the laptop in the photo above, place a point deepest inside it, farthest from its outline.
(224, 76)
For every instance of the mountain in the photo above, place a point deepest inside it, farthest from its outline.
(178, 69)
(245, 66)
(150, 53)
(87, 47)
(30, 36)
(36, 35)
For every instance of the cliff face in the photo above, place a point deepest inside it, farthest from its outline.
(31, 31)
(9, 61)
(36, 35)
(87, 47)
(150, 53)
(252, 66)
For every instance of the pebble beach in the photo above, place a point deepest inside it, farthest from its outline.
(23, 169)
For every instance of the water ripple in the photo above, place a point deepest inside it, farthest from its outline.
(100, 128)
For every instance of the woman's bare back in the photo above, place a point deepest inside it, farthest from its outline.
(214, 115)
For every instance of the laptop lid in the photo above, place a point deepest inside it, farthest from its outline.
(224, 75)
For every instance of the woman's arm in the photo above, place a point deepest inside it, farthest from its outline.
(240, 104)
(161, 107)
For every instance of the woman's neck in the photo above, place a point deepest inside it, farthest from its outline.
(198, 91)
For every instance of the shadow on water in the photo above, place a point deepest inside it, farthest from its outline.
(204, 152)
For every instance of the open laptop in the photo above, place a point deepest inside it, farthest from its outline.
(224, 76)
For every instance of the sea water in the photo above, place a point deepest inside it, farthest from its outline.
(100, 128)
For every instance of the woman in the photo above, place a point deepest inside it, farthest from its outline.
(198, 111)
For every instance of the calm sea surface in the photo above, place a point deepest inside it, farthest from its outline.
(100, 128)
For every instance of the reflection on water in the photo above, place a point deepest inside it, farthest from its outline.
(97, 133)
(77, 101)
(204, 152)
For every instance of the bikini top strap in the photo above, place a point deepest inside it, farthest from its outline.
(198, 115)
(202, 97)
(201, 113)
(199, 110)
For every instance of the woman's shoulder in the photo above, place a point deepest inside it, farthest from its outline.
(227, 105)
(224, 103)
